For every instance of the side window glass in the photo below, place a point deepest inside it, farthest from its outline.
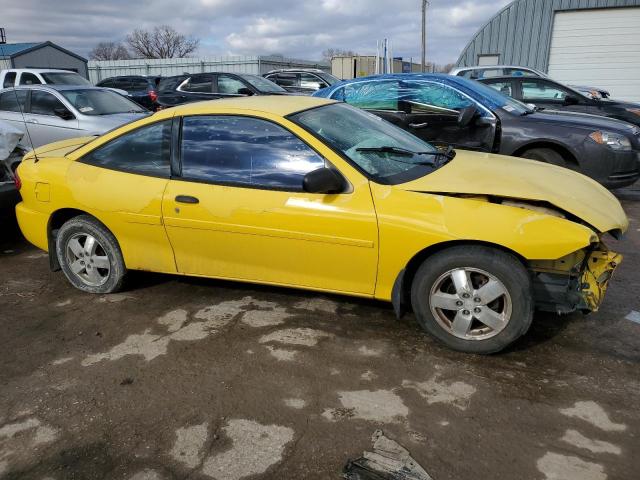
(308, 80)
(139, 84)
(199, 84)
(145, 151)
(13, 101)
(502, 87)
(29, 79)
(286, 79)
(536, 90)
(229, 85)
(376, 95)
(44, 103)
(243, 150)
(424, 97)
(9, 80)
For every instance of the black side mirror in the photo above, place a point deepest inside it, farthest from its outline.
(323, 180)
(466, 115)
(63, 113)
(245, 91)
(571, 100)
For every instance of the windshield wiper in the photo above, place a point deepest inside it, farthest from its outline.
(449, 153)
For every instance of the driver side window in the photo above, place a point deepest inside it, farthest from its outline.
(376, 95)
(533, 90)
(427, 97)
(145, 151)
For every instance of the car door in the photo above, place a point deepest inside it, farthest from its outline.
(506, 86)
(547, 94)
(310, 83)
(122, 182)
(238, 210)
(45, 126)
(12, 107)
(232, 86)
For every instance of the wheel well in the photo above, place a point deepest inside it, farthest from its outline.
(410, 270)
(56, 220)
(563, 151)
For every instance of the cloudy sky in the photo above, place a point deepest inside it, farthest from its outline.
(296, 28)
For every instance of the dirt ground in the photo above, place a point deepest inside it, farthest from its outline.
(182, 378)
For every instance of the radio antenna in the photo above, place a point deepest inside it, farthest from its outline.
(3, 41)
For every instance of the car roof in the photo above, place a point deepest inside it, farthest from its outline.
(39, 70)
(49, 86)
(492, 67)
(273, 104)
(285, 70)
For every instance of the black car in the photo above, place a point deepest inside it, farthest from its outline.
(550, 94)
(453, 111)
(140, 88)
(209, 86)
(305, 81)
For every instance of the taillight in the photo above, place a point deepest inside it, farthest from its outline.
(153, 95)
(16, 180)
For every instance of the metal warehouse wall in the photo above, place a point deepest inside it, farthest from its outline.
(521, 32)
(50, 57)
(99, 70)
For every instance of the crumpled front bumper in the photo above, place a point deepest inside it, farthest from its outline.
(596, 273)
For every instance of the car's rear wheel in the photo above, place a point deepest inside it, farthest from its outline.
(546, 155)
(89, 256)
(473, 299)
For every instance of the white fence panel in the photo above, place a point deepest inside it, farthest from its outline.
(99, 70)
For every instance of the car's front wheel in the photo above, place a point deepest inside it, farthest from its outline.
(89, 255)
(474, 299)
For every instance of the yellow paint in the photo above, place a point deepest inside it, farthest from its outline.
(595, 279)
(354, 243)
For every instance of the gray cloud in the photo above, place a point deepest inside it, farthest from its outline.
(298, 28)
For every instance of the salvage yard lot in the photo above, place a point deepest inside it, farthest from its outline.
(178, 377)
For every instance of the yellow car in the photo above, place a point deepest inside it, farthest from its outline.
(314, 194)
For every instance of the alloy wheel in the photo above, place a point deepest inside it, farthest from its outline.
(87, 259)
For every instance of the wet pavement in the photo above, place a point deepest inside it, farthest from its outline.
(181, 378)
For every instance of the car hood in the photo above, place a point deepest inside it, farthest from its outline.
(474, 173)
(577, 119)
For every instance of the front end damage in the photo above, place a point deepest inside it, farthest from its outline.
(575, 282)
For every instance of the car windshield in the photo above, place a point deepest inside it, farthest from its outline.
(262, 84)
(64, 78)
(327, 77)
(100, 102)
(385, 153)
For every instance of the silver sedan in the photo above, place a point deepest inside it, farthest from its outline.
(56, 112)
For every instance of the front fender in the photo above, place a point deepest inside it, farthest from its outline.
(410, 222)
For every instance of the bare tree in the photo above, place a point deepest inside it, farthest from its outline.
(444, 68)
(109, 51)
(329, 53)
(161, 42)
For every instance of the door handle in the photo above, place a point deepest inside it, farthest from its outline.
(418, 125)
(186, 199)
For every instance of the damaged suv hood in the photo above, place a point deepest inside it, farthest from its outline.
(476, 173)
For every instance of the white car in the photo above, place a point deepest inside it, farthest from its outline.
(13, 77)
(48, 113)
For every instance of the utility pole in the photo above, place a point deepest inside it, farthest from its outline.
(423, 65)
(3, 36)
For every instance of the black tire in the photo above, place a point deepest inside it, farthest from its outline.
(503, 266)
(107, 246)
(546, 155)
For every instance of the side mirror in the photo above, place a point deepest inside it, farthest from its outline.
(323, 180)
(63, 113)
(245, 91)
(466, 115)
(571, 100)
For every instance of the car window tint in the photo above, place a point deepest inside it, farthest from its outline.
(518, 72)
(309, 80)
(9, 80)
(29, 79)
(13, 101)
(199, 84)
(139, 84)
(430, 97)
(502, 87)
(285, 79)
(537, 90)
(144, 151)
(244, 150)
(44, 103)
(377, 95)
(229, 85)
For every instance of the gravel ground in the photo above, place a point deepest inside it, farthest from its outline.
(183, 378)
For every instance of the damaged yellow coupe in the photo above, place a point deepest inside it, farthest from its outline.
(314, 194)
